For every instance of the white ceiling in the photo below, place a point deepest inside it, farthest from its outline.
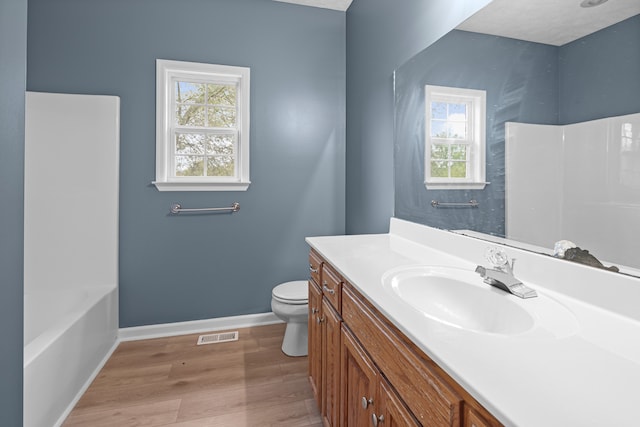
(554, 22)
(326, 4)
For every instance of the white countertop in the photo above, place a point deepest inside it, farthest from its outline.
(582, 372)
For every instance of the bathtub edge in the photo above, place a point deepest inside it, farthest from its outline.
(86, 385)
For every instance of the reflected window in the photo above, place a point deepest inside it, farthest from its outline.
(202, 135)
(629, 156)
(455, 138)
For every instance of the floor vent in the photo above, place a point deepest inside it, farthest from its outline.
(218, 338)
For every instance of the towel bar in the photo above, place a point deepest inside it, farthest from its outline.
(176, 208)
(469, 204)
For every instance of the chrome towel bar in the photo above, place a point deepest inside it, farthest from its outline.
(469, 204)
(176, 209)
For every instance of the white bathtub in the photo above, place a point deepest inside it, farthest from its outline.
(68, 335)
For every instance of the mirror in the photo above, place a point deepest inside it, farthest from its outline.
(547, 81)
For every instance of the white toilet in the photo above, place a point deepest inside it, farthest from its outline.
(290, 302)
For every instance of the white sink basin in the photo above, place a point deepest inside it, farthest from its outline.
(460, 298)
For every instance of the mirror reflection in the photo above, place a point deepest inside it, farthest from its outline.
(562, 129)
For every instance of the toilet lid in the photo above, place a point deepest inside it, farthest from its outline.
(292, 292)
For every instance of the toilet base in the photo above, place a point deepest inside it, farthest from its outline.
(294, 342)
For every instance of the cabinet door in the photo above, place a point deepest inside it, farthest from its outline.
(315, 341)
(391, 412)
(431, 399)
(473, 419)
(358, 382)
(331, 364)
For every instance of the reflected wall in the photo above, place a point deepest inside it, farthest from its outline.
(521, 81)
(591, 78)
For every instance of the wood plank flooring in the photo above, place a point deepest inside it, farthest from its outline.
(174, 382)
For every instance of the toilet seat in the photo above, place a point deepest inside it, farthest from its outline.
(293, 293)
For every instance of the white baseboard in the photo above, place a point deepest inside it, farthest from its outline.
(196, 326)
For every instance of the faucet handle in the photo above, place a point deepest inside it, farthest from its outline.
(497, 257)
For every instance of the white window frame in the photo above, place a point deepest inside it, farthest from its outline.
(167, 72)
(476, 104)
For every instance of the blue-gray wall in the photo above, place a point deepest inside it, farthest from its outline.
(193, 267)
(599, 74)
(13, 65)
(521, 82)
(381, 35)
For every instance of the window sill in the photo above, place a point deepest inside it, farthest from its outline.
(201, 186)
(455, 185)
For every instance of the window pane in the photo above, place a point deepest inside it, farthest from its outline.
(190, 143)
(190, 166)
(439, 169)
(439, 152)
(457, 130)
(189, 115)
(457, 112)
(438, 110)
(220, 166)
(221, 95)
(189, 92)
(221, 117)
(459, 152)
(220, 144)
(458, 169)
(455, 118)
(438, 129)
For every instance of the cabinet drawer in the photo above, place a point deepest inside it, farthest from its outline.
(432, 401)
(315, 266)
(332, 287)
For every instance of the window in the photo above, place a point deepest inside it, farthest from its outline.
(202, 127)
(455, 138)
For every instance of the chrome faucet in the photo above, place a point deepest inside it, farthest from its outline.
(501, 276)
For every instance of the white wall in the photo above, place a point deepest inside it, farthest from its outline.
(533, 184)
(71, 190)
(588, 173)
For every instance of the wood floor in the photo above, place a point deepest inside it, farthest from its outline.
(174, 382)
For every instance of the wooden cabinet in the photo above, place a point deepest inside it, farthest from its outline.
(473, 419)
(431, 399)
(358, 386)
(392, 412)
(331, 364)
(332, 287)
(324, 338)
(373, 375)
(315, 267)
(368, 398)
(315, 340)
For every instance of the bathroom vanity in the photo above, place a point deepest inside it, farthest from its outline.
(403, 332)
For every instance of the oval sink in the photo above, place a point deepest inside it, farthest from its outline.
(459, 298)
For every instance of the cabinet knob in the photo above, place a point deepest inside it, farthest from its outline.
(376, 419)
(319, 319)
(313, 270)
(314, 310)
(328, 289)
(366, 402)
